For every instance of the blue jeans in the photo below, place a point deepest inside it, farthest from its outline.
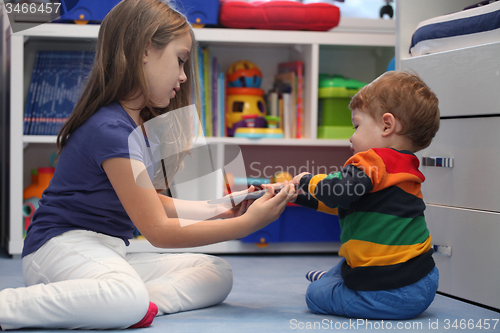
(329, 295)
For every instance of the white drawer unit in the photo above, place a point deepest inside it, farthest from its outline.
(472, 271)
(462, 164)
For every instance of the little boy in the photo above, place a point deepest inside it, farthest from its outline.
(387, 270)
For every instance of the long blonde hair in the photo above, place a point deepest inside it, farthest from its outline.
(118, 71)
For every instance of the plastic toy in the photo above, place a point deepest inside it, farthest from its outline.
(246, 107)
(244, 73)
(247, 181)
(335, 93)
(29, 207)
(244, 182)
(281, 176)
(40, 179)
(36, 189)
(272, 121)
(245, 102)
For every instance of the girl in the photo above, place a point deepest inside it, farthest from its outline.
(75, 265)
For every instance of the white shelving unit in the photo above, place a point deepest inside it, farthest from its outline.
(357, 48)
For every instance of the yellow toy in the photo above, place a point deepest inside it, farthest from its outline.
(245, 102)
(281, 176)
(246, 107)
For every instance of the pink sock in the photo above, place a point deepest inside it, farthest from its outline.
(148, 318)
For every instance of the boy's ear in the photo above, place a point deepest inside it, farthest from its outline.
(389, 124)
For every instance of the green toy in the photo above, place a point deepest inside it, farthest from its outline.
(335, 93)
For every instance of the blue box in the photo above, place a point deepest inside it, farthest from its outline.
(200, 12)
(298, 224)
(89, 10)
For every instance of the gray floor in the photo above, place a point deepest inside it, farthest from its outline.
(268, 296)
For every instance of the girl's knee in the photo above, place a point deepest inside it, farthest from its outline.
(225, 268)
(130, 299)
(222, 267)
(225, 274)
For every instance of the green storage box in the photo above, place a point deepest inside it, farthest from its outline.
(334, 116)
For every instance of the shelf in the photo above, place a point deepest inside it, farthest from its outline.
(51, 139)
(281, 142)
(39, 139)
(360, 32)
(229, 247)
(358, 48)
(236, 246)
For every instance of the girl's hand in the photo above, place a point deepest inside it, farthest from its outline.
(226, 210)
(269, 207)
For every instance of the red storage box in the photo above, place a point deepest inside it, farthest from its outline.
(279, 15)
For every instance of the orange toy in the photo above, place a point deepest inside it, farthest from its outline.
(281, 176)
(36, 189)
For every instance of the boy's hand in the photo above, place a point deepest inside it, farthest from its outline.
(296, 181)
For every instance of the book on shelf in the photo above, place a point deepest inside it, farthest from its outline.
(54, 89)
(285, 87)
(222, 103)
(198, 63)
(207, 86)
(59, 76)
(296, 67)
(212, 93)
(286, 114)
(272, 103)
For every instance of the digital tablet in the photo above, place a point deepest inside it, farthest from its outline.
(242, 196)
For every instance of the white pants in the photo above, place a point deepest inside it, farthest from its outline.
(82, 279)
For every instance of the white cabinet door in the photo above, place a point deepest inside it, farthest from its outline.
(472, 271)
(474, 180)
(466, 81)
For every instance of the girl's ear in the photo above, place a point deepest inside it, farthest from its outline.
(146, 53)
(389, 124)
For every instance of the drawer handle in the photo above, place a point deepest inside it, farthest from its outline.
(442, 249)
(441, 162)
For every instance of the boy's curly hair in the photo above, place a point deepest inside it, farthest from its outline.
(406, 96)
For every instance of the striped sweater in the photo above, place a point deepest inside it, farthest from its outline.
(384, 236)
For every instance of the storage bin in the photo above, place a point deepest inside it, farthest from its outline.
(87, 11)
(298, 224)
(334, 94)
(198, 12)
